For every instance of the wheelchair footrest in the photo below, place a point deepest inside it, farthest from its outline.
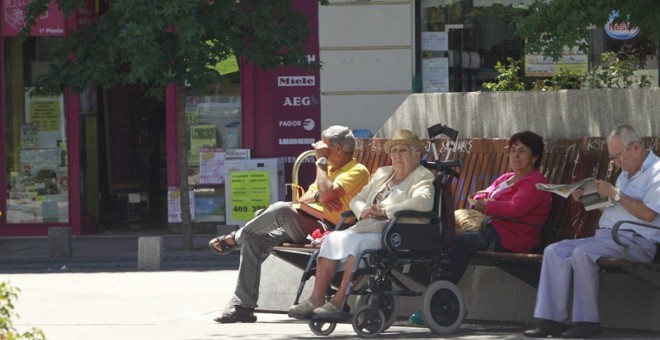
(334, 317)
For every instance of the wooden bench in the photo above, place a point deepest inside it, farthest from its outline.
(564, 161)
(485, 159)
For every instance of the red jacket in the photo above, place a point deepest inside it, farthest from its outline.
(520, 201)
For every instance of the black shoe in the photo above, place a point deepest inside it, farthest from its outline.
(237, 314)
(545, 328)
(582, 330)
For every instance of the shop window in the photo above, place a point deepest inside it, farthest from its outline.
(460, 41)
(35, 137)
(214, 126)
(214, 121)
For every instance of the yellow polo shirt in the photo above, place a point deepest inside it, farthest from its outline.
(351, 177)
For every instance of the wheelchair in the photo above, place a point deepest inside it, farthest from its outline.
(416, 251)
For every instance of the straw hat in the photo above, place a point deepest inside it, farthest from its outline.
(404, 137)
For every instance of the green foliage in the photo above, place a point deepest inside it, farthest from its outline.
(157, 43)
(558, 23)
(563, 79)
(508, 78)
(7, 331)
(615, 72)
(612, 72)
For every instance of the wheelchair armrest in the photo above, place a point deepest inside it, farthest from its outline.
(409, 213)
(348, 213)
(617, 226)
(489, 219)
(414, 213)
(345, 215)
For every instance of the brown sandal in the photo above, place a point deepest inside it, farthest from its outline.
(225, 248)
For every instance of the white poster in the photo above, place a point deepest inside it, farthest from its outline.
(211, 166)
(435, 75)
(174, 205)
(434, 41)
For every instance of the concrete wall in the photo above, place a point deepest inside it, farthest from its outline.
(367, 53)
(560, 114)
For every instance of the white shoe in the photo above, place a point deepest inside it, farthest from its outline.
(302, 310)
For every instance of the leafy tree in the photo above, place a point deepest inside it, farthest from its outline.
(157, 43)
(558, 23)
(8, 295)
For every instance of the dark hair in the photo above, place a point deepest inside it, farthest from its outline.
(532, 141)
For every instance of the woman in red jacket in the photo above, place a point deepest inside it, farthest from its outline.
(512, 195)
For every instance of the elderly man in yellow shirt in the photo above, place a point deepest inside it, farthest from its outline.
(339, 177)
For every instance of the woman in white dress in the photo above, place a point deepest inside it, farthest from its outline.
(402, 186)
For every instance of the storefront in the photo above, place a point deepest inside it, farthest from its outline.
(264, 113)
(38, 131)
(460, 41)
(107, 158)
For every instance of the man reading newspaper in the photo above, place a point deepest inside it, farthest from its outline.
(589, 196)
(635, 197)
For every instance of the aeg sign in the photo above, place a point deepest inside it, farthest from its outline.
(300, 101)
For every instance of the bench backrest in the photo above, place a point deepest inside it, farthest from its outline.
(485, 159)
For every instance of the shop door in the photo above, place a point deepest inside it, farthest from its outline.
(131, 165)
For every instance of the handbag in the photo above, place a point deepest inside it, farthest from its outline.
(468, 220)
(369, 225)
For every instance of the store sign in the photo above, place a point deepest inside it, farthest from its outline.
(296, 81)
(300, 101)
(307, 124)
(621, 30)
(14, 13)
(286, 100)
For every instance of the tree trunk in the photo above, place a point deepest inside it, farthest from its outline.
(183, 149)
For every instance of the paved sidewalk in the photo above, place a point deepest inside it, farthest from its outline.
(107, 252)
(101, 295)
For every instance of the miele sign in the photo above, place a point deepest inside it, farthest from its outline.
(296, 81)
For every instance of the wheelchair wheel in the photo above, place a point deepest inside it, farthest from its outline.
(443, 309)
(368, 326)
(322, 328)
(390, 307)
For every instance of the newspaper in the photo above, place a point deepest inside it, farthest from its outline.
(590, 198)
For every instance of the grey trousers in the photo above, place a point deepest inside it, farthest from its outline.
(276, 225)
(576, 260)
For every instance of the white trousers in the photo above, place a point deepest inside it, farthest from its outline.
(577, 258)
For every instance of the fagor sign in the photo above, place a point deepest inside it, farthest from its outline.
(307, 124)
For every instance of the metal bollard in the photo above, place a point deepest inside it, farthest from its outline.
(59, 242)
(150, 253)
